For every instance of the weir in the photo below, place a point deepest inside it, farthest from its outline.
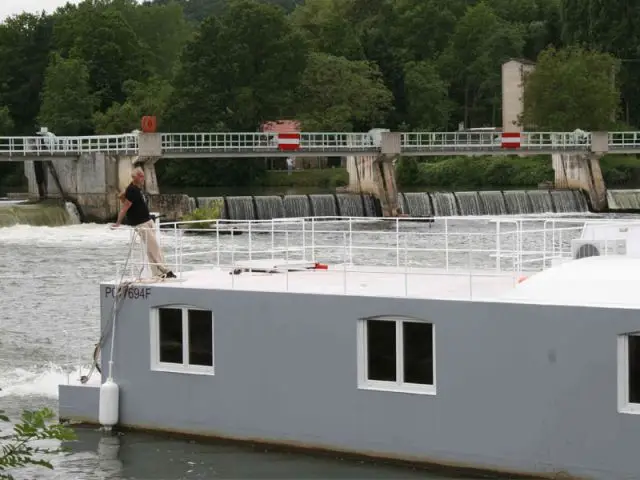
(414, 204)
(54, 214)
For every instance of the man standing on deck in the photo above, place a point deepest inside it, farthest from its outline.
(137, 211)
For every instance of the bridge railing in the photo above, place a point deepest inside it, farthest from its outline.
(72, 146)
(261, 142)
(624, 141)
(492, 141)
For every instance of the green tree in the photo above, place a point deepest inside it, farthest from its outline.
(6, 122)
(67, 102)
(17, 449)
(100, 33)
(161, 31)
(25, 42)
(428, 104)
(342, 95)
(150, 98)
(472, 62)
(239, 71)
(609, 27)
(421, 29)
(571, 88)
(328, 28)
(9, 171)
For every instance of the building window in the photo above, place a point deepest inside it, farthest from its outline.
(629, 373)
(182, 340)
(396, 353)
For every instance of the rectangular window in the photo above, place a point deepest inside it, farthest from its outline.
(182, 340)
(396, 354)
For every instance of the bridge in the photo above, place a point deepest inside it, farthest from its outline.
(271, 144)
(92, 169)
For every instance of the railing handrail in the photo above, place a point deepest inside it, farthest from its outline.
(506, 245)
(216, 143)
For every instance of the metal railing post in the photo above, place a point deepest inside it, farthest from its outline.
(406, 266)
(350, 241)
(397, 242)
(313, 239)
(286, 242)
(498, 250)
(446, 243)
(344, 263)
(218, 243)
(304, 240)
(273, 240)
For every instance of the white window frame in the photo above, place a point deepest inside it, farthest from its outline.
(624, 406)
(184, 367)
(399, 385)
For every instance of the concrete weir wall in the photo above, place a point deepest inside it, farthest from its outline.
(95, 180)
(376, 174)
(582, 171)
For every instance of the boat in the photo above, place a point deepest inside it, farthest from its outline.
(502, 345)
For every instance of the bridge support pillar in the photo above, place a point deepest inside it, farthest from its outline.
(376, 174)
(583, 172)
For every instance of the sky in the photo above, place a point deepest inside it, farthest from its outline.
(11, 7)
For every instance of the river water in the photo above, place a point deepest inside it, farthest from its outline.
(49, 301)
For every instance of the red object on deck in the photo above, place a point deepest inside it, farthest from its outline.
(321, 266)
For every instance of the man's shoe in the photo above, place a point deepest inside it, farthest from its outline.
(169, 275)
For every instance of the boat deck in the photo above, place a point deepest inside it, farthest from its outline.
(338, 279)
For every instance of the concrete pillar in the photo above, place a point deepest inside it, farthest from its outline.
(375, 174)
(390, 149)
(360, 171)
(581, 172)
(149, 152)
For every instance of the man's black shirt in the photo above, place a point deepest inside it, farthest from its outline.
(138, 211)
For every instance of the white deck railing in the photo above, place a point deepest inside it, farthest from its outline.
(450, 244)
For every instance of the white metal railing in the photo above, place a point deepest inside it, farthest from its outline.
(63, 146)
(466, 246)
(265, 143)
(492, 141)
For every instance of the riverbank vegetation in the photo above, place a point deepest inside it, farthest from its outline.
(19, 448)
(459, 173)
(333, 65)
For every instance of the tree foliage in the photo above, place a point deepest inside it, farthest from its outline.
(18, 450)
(67, 100)
(231, 65)
(337, 94)
(569, 89)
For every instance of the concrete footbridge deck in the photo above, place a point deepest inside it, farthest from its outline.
(307, 144)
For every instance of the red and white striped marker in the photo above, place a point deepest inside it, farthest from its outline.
(288, 141)
(510, 139)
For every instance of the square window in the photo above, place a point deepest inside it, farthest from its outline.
(396, 354)
(182, 340)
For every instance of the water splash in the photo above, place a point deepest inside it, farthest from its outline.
(43, 382)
